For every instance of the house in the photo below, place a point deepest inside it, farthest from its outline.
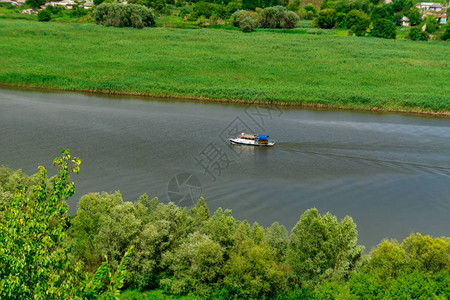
(88, 4)
(66, 3)
(405, 21)
(429, 7)
(442, 19)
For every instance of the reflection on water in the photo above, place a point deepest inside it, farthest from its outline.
(390, 172)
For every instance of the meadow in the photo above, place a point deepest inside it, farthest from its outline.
(302, 66)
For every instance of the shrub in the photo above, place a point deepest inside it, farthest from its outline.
(272, 17)
(208, 9)
(290, 19)
(446, 35)
(44, 15)
(432, 24)
(384, 29)
(326, 18)
(357, 21)
(35, 3)
(237, 17)
(124, 15)
(247, 25)
(416, 34)
(278, 17)
(311, 8)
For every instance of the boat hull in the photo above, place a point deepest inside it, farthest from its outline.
(250, 143)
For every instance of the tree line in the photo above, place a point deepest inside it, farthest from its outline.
(111, 245)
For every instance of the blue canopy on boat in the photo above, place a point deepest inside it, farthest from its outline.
(262, 137)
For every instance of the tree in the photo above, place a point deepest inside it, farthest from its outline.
(384, 29)
(35, 3)
(44, 15)
(326, 18)
(290, 20)
(253, 272)
(427, 254)
(358, 22)
(416, 34)
(277, 238)
(123, 15)
(86, 225)
(33, 255)
(387, 261)
(247, 24)
(195, 265)
(322, 248)
(432, 24)
(272, 17)
(446, 35)
(414, 17)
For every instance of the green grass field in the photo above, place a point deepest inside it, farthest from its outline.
(268, 65)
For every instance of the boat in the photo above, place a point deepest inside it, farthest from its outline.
(252, 140)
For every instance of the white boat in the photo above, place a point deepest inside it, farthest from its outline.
(252, 140)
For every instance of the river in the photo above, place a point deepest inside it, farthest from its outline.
(389, 172)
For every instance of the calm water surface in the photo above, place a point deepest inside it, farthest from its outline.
(390, 172)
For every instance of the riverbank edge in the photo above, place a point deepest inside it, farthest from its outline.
(237, 101)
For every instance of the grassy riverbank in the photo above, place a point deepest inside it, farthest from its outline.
(293, 68)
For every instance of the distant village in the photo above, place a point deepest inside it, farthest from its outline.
(426, 9)
(429, 9)
(68, 4)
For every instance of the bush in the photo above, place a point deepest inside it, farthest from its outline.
(416, 34)
(272, 17)
(44, 15)
(446, 35)
(124, 15)
(357, 21)
(278, 17)
(247, 25)
(290, 19)
(326, 18)
(238, 16)
(384, 29)
(35, 3)
(207, 10)
(432, 24)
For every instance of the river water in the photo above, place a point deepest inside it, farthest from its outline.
(390, 172)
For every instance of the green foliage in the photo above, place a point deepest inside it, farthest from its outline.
(415, 18)
(345, 6)
(427, 254)
(33, 257)
(238, 16)
(272, 17)
(358, 22)
(326, 18)
(384, 29)
(247, 24)
(322, 248)
(277, 17)
(123, 15)
(416, 34)
(290, 20)
(432, 24)
(446, 35)
(44, 15)
(35, 3)
(195, 264)
(253, 271)
(207, 10)
(277, 238)
(103, 283)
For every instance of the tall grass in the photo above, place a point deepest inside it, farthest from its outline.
(314, 69)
